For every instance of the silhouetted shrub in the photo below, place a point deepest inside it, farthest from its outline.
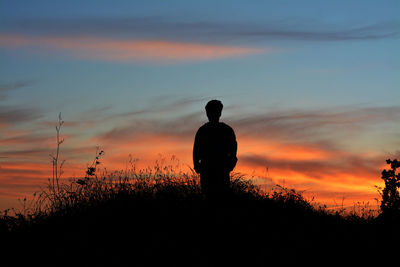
(390, 204)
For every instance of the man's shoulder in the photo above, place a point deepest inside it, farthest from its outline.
(204, 126)
(212, 127)
(202, 129)
(215, 125)
(226, 127)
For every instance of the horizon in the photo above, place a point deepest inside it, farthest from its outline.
(311, 89)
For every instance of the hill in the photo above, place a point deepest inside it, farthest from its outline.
(166, 221)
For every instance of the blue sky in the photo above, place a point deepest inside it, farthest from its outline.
(328, 71)
(318, 59)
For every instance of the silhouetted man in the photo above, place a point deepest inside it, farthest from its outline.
(214, 152)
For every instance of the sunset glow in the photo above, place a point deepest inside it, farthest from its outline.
(313, 96)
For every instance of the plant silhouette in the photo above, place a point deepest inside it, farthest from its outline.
(390, 204)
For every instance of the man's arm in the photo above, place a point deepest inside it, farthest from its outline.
(233, 151)
(196, 152)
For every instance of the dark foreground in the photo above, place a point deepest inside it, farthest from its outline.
(174, 227)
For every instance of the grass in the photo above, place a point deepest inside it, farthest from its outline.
(158, 217)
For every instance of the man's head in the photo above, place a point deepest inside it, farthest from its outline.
(214, 110)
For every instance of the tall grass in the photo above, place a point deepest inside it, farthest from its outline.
(161, 182)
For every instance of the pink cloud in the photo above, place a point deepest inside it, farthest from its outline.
(129, 50)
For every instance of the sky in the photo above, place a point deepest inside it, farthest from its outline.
(311, 89)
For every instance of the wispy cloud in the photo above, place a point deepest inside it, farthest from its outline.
(129, 50)
(339, 165)
(23, 139)
(321, 32)
(161, 105)
(158, 39)
(200, 31)
(313, 126)
(15, 85)
(13, 114)
(7, 87)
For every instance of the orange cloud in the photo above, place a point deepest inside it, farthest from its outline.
(129, 50)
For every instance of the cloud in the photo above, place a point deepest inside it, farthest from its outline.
(360, 167)
(69, 124)
(23, 139)
(6, 87)
(181, 128)
(109, 49)
(164, 115)
(324, 33)
(157, 39)
(163, 104)
(13, 115)
(314, 125)
(14, 85)
(42, 151)
(323, 127)
(200, 31)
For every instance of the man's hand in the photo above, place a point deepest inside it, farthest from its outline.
(233, 161)
(197, 168)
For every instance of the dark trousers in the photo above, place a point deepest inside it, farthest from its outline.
(215, 183)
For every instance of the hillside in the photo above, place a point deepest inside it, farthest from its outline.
(165, 221)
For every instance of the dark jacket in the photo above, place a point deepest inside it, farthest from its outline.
(215, 148)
